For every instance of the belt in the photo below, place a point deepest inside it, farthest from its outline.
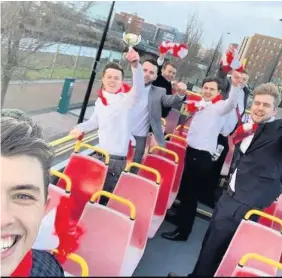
(230, 192)
(114, 157)
(117, 157)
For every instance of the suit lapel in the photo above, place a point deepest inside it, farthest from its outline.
(150, 98)
(260, 131)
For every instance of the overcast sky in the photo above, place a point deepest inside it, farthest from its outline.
(239, 18)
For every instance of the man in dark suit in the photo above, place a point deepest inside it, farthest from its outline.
(232, 121)
(166, 74)
(255, 183)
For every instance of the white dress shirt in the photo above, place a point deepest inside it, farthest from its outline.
(113, 120)
(246, 142)
(140, 114)
(207, 123)
(232, 118)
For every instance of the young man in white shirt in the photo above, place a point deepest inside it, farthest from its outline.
(147, 113)
(231, 121)
(202, 139)
(112, 116)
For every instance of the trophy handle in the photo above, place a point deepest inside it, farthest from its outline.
(123, 36)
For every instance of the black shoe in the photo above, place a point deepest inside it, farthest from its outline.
(171, 274)
(175, 235)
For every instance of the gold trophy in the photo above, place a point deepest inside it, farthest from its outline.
(131, 39)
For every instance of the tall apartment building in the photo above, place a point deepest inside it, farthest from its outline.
(263, 56)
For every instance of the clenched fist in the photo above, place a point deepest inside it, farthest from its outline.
(132, 57)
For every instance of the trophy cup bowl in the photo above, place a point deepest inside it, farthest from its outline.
(131, 39)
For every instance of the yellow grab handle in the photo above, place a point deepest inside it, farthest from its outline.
(263, 214)
(64, 177)
(61, 141)
(175, 136)
(260, 258)
(80, 145)
(76, 258)
(109, 195)
(176, 158)
(180, 126)
(163, 122)
(145, 168)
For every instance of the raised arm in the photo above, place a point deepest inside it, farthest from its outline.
(170, 100)
(160, 63)
(138, 83)
(226, 106)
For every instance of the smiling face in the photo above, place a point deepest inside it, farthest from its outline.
(263, 108)
(22, 208)
(112, 80)
(210, 90)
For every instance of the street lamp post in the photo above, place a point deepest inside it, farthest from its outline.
(96, 62)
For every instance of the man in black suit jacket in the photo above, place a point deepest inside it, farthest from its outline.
(166, 74)
(255, 184)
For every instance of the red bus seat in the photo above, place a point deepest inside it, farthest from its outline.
(107, 237)
(55, 192)
(167, 169)
(181, 151)
(143, 194)
(251, 237)
(270, 210)
(88, 175)
(245, 271)
(180, 140)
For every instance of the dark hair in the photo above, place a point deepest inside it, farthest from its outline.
(168, 63)
(20, 135)
(115, 66)
(213, 79)
(152, 61)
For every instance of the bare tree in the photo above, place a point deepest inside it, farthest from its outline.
(30, 26)
(193, 35)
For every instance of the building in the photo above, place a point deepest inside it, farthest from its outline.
(148, 32)
(131, 22)
(263, 57)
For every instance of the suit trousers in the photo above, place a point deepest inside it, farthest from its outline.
(208, 197)
(140, 148)
(116, 166)
(226, 218)
(198, 164)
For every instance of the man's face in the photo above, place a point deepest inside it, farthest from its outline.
(112, 80)
(150, 72)
(263, 108)
(22, 208)
(169, 73)
(210, 90)
(245, 79)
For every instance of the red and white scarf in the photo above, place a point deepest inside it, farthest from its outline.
(178, 50)
(25, 266)
(125, 88)
(244, 131)
(196, 106)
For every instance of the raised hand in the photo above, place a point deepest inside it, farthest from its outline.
(181, 88)
(132, 57)
(236, 78)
